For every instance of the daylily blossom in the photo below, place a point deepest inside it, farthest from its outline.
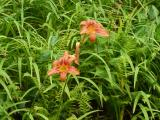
(63, 66)
(93, 28)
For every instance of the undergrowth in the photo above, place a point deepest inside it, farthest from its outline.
(119, 75)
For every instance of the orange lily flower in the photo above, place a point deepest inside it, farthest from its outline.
(93, 28)
(63, 66)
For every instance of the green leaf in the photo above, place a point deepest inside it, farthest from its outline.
(28, 91)
(73, 117)
(49, 87)
(153, 12)
(136, 101)
(44, 55)
(144, 111)
(145, 99)
(6, 89)
(99, 90)
(42, 116)
(37, 80)
(54, 40)
(20, 70)
(135, 75)
(86, 114)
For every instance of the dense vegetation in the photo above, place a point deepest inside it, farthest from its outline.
(119, 75)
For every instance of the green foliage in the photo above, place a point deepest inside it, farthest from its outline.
(119, 75)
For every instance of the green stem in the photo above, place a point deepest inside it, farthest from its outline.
(97, 46)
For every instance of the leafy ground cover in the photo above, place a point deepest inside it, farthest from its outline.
(114, 74)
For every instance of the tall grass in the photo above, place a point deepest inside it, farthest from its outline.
(119, 75)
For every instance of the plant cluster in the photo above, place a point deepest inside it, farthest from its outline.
(79, 60)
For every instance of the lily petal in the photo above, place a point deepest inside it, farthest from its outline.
(83, 22)
(102, 32)
(92, 37)
(55, 63)
(67, 58)
(63, 76)
(53, 71)
(74, 71)
(84, 30)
